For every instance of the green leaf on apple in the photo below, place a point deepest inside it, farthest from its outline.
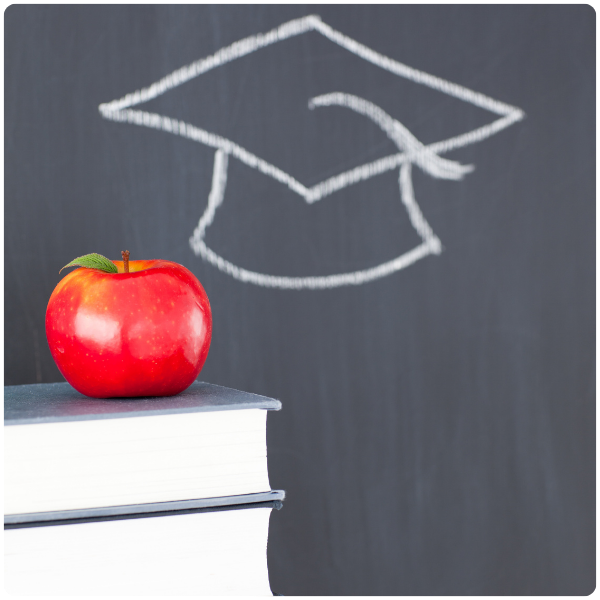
(93, 261)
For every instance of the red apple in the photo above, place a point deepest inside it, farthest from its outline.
(145, 332)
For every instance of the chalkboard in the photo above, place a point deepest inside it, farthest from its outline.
(391, 209)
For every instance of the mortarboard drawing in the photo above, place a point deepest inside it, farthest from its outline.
(410, 151)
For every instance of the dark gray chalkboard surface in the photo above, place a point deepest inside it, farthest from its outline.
(391, 209)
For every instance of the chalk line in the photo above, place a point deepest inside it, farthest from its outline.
(217, 193)
(417, 152)
(414, 212)
(220, 57)
(398, 68)
(187, 130)
(312, 283)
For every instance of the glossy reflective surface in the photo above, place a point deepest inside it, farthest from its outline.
(143, 333)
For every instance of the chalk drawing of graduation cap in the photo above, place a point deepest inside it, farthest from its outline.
(410, 151)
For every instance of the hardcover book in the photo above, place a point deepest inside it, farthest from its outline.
(201, 552)
(69, 456)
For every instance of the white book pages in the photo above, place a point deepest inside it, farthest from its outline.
(199, 554)
(113, 462)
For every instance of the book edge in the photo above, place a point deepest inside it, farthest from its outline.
(261, 402)
(12, 521)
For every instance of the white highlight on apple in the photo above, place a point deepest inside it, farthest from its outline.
(96, 328)
(411, 150)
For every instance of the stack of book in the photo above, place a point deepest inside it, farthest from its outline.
(150, 496)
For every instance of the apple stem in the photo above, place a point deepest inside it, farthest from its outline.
(125, 255)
